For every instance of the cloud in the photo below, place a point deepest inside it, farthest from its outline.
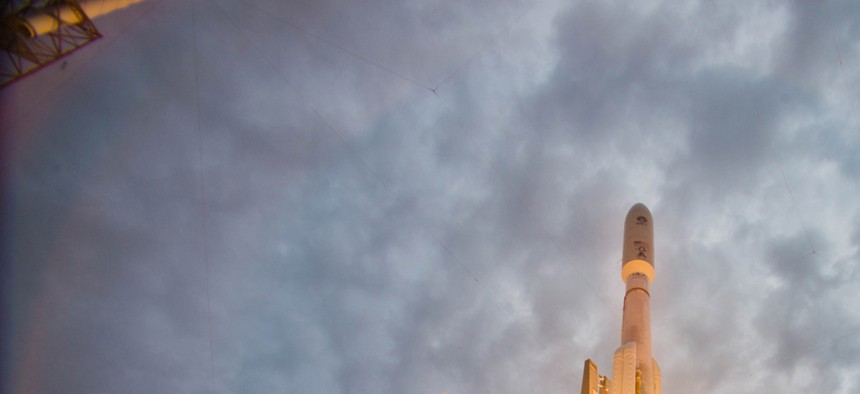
(278, 204)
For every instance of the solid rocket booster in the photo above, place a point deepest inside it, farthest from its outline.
(633, 365)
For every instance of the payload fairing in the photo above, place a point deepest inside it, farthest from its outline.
(634, 370)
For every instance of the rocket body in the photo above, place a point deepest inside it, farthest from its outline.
(634, 370)
(637, 271)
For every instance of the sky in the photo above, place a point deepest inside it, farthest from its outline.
(326, 196)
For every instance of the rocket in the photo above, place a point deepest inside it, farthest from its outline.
(634, 370)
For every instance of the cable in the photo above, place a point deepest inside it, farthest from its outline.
(378, 178)
(543, 228)
(809, 349)
(841, 62)
(335, 45)
(794, 203)
(802, 222)
(97, 50)
(527, 207)
(349, 146)
(483, 48)
(202, 194)
(777, 160)
(387, 69)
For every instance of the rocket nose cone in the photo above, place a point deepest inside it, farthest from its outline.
(639, 207)
(638, 212)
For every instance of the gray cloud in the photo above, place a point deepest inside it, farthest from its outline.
(330, 225)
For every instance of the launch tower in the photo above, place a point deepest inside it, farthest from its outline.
(36, 33)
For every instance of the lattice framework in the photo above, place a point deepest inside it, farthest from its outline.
(24, 55)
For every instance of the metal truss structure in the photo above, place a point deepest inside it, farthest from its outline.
(25, 54)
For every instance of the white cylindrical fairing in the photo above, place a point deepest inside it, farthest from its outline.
(638, 249)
